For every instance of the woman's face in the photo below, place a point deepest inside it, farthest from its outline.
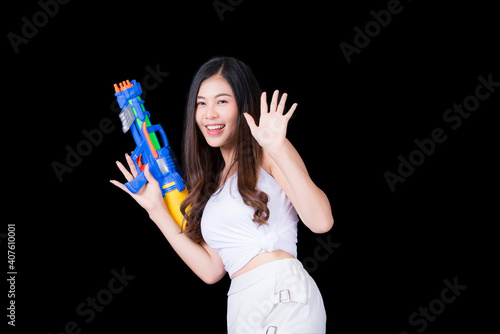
(217, 112)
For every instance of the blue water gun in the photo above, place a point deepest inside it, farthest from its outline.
(162, 163)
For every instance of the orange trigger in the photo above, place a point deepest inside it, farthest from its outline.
(139, 163)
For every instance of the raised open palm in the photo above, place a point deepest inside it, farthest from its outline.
(271, 131)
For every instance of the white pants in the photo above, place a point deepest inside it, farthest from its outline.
(277, 297)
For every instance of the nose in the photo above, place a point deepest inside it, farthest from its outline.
(211, 112)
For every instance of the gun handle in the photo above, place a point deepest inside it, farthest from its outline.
(173, 200)
(136, 184)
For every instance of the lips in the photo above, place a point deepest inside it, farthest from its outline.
(214, 129)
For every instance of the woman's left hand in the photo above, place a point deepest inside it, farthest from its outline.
(271, 132)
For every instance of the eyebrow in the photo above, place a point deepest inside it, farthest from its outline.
(216, 96)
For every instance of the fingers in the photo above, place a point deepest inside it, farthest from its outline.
(275, 107)
(289, 114)
(281, 106)
(129, 178)
(274, 101)
(263, 103)
(124, 171)
(121, 186)
(131, 165)
(133, 171)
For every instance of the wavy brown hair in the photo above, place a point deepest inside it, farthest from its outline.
(204, 164)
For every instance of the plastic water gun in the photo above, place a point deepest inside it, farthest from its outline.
(162, 163)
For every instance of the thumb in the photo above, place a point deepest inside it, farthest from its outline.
(250, 121)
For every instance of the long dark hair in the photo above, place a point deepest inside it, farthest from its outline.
(204, 164)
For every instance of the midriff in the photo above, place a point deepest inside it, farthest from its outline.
(263, 259)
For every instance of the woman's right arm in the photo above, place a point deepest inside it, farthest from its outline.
(199, 257)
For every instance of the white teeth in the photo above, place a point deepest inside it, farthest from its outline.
(214, 127)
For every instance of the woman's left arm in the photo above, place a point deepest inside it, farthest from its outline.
(311, 203)
(287, 167)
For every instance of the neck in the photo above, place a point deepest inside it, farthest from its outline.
(228, 156)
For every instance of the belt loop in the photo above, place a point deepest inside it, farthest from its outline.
(274, 330)
(284, 296)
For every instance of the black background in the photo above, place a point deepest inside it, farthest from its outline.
(353, 121)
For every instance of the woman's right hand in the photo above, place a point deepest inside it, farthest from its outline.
(149, 196)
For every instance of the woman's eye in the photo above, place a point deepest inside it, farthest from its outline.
(222, 101)
(201, 103)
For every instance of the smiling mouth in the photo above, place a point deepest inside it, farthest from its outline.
(214, 129)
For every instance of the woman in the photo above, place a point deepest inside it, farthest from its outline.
(247, 184)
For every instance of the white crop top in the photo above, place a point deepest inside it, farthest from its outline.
(227, 226)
